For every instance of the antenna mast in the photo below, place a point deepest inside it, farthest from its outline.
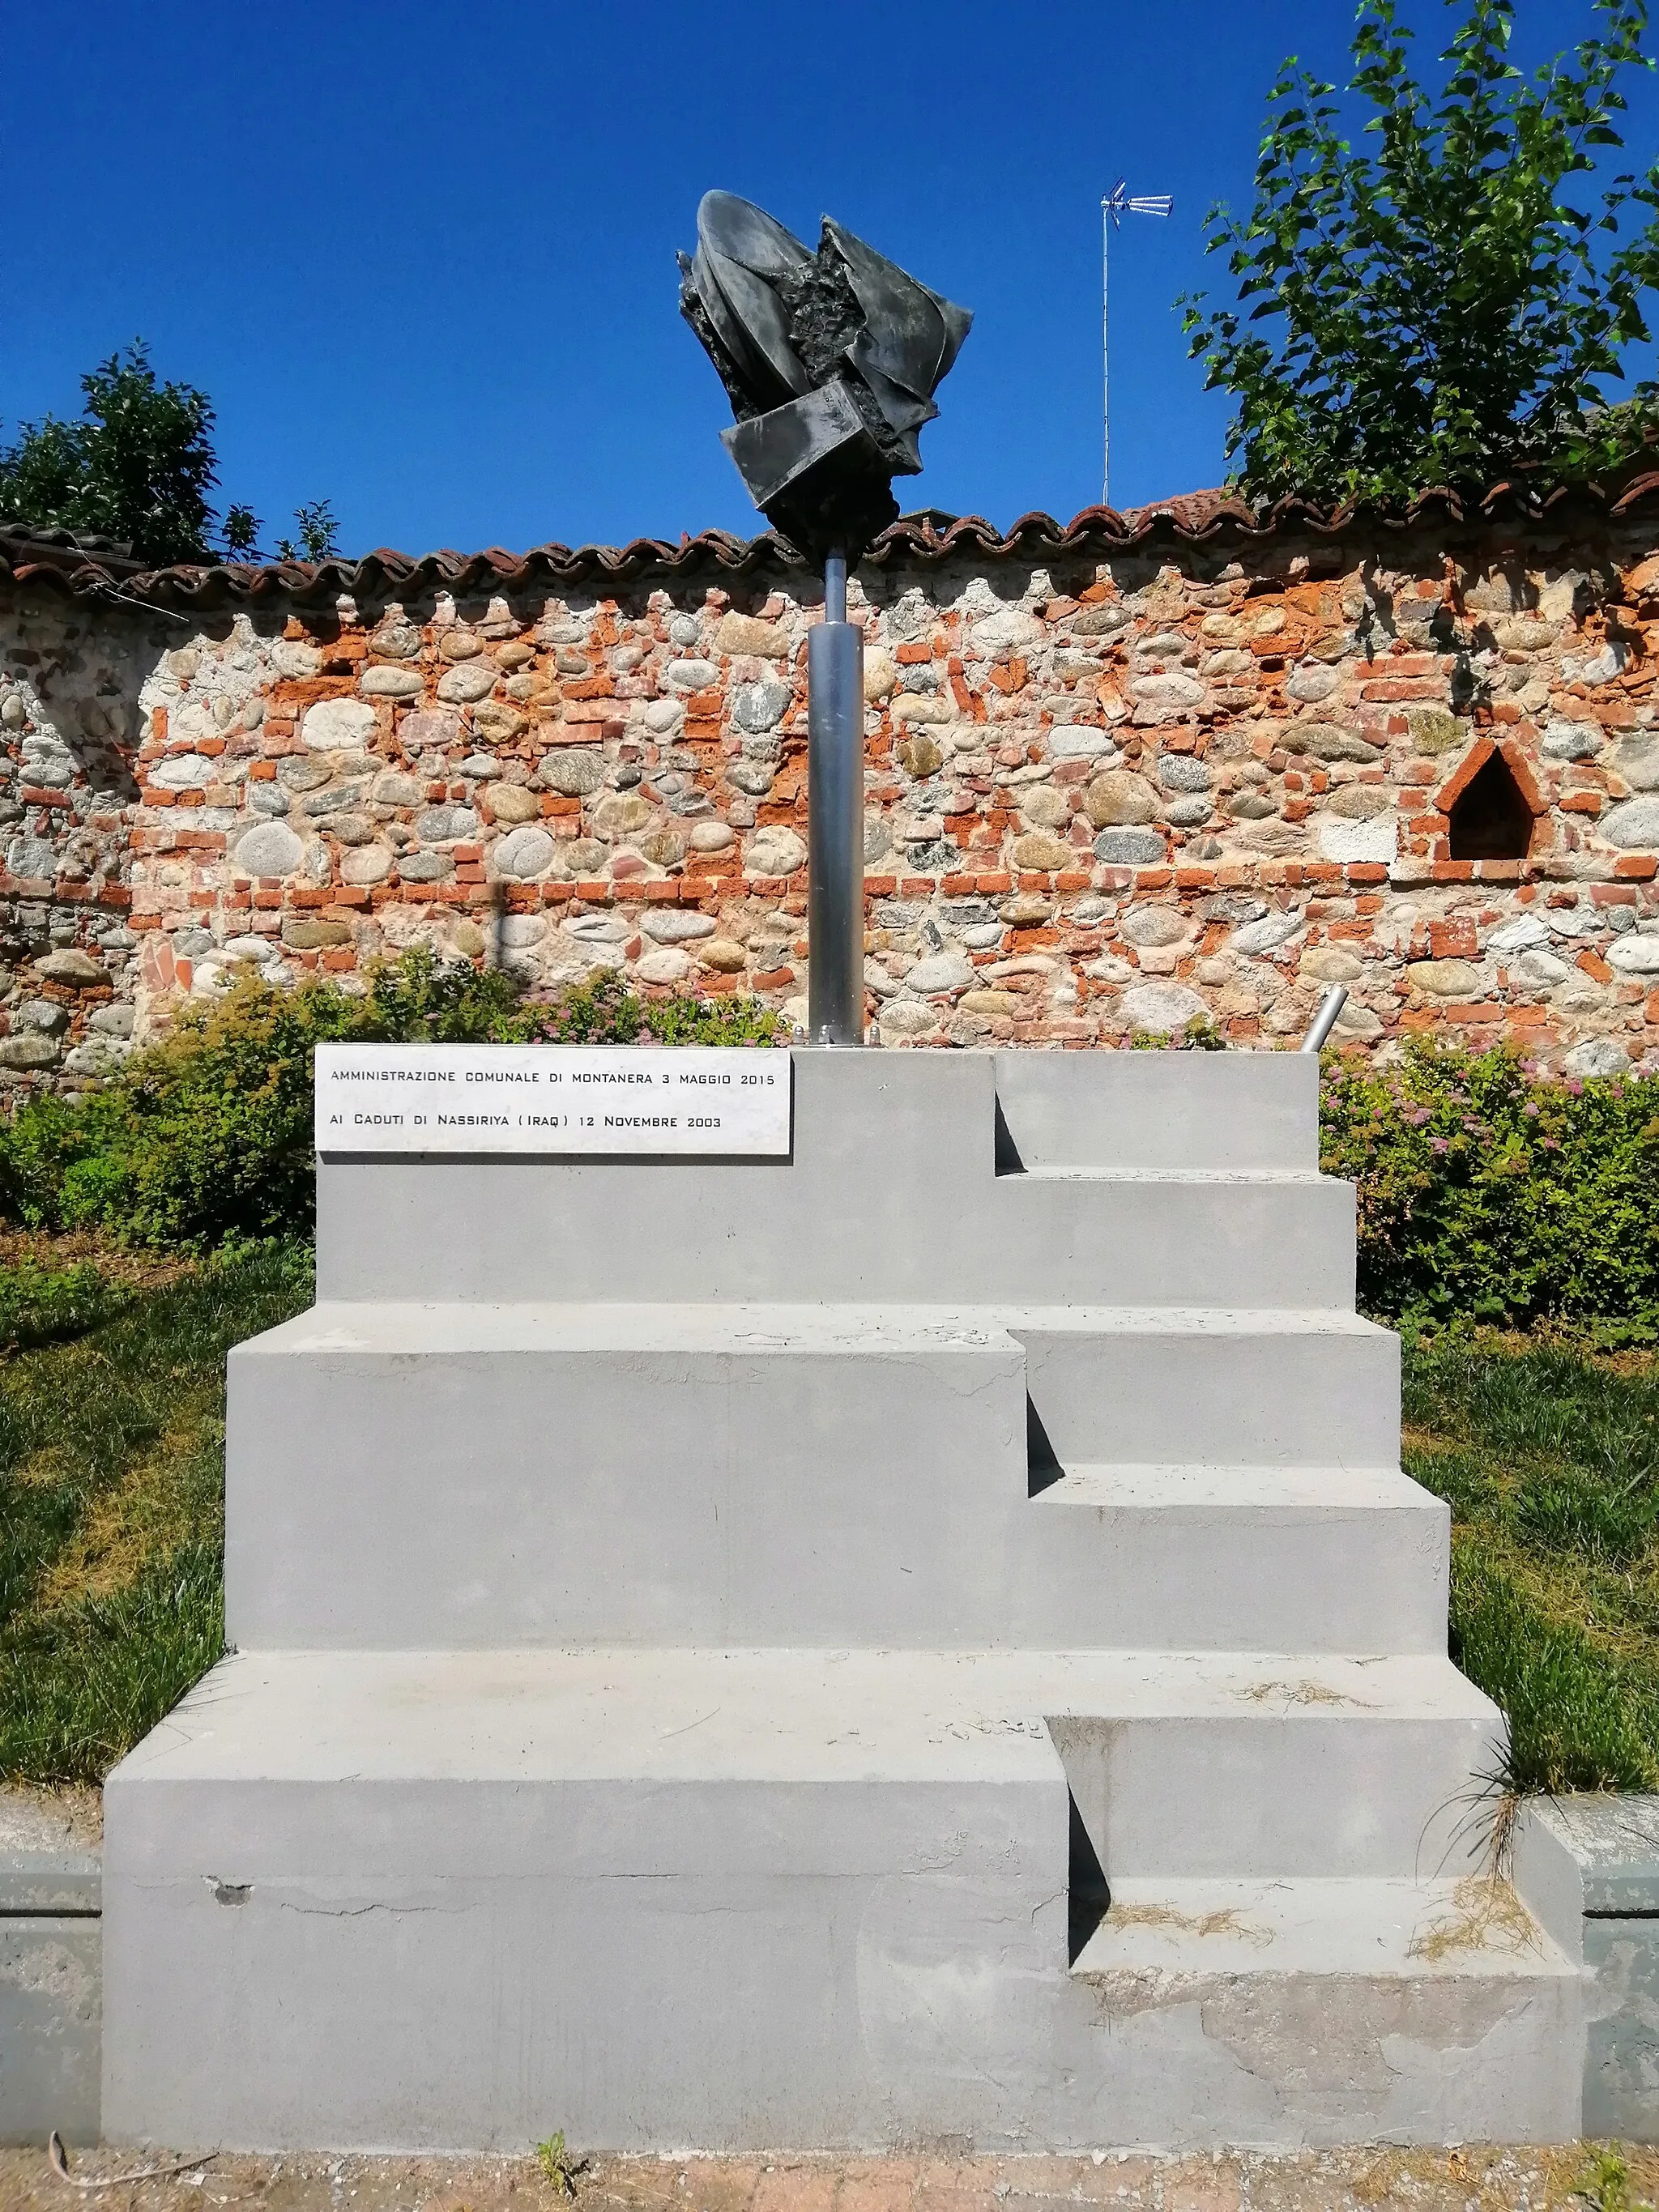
(1113, 209)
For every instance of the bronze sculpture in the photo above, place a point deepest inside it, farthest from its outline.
(830, 361)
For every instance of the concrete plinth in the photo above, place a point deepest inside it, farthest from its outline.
(713, 1636)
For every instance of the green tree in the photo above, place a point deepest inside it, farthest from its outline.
(137, 466)
(1449, 304)
(318, 533)
(241, 533)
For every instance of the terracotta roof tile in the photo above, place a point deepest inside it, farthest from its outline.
(56, 562)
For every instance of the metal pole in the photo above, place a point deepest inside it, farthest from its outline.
(834, 820)
(1105, 363)
(1325, 1020)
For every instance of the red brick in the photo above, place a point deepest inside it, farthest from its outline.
(1398, 664)
(1420, 687)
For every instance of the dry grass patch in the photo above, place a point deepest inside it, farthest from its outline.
(1486, 1915)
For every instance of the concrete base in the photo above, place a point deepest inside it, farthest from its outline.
(734, 1900)
(50, 1893)
(706, 1666)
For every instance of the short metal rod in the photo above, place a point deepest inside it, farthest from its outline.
(835, 819)
(1325, 1020)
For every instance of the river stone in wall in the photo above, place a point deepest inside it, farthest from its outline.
(339, 725)
(269, 849)
(522, 854)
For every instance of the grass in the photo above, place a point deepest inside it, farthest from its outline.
(112, 1497)
(1548, 1455)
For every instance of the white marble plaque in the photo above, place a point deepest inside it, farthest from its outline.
(611, 1101)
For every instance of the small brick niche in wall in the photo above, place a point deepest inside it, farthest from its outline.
(1490, 818)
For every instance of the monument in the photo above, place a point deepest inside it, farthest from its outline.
(830, 361)
(826, 1599)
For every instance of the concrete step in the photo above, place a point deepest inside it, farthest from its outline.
(1210, 1385)
(1185, 1765)
(779, 1475)
(1138, 1112)
(743, 1899)
(1243, 1559)
(1201, 1187)
(1199, 1763)
(1445, 1996)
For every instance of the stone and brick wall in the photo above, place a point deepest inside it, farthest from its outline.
(1117, 776)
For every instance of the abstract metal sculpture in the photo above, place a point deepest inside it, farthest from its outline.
(830, 361)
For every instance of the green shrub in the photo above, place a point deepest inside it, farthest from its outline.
(1486, 1195)
(207, 1136)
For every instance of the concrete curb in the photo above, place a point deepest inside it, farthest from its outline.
(50, 1965)
(1588, 1867)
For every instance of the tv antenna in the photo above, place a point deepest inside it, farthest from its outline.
(1116, 204)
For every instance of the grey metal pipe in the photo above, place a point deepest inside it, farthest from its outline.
(1325, 1020)
(835, 819)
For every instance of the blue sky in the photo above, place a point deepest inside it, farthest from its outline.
(422, 256)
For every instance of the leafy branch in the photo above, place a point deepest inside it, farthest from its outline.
(1451, 302)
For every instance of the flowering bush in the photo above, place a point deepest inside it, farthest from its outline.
(1490, 1194)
